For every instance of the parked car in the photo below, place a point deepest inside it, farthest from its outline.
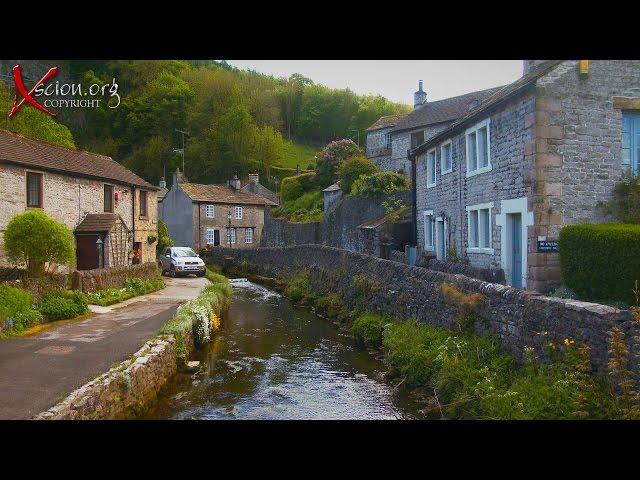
(177, 261)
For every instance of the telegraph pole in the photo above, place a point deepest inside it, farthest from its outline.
(183, 132)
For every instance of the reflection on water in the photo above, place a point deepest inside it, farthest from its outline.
(272, 360)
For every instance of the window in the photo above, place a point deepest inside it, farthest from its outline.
(428, 229)
(210, 236)
(34, 190)
(479, 220)
(231, 236)
(143, 203)
(387, 140)
(446, 164)
(108, 198)
(248, 235)
(209, 211)
(478, 149)
(431, 168)
(631, 141)
(238, 213)
(417, 138)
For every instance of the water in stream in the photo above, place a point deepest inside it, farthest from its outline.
(273, 360)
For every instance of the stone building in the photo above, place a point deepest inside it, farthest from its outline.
(111, 211)
(389, 139)
(498, 184)
(200, 216)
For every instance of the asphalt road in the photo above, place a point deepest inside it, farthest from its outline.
(38, 371)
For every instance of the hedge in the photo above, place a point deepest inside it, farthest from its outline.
(293, 187)
(601, 262)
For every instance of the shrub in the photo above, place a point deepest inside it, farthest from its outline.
(36, 239)
(368, 328)
(600, 262)
(329, 158)
(293, 187)
(131, 288)
(16, 312)
(625, 206)
(62, 305)
(331, 305)
(351, 169)
(379, 183)
(299, 288)
(164, 240)
(304, 209)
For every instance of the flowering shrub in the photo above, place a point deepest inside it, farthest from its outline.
(16, 310)
(329, 158)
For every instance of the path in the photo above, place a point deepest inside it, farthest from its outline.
(38, 371)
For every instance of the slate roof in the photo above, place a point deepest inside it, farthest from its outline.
(21, 150)
(97, 222)
(445, 110)
(387, 121)
(222, 194)
(502, 95)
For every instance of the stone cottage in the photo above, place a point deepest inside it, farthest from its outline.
(111, 211)
(200, 216)
(391, 136)
(498, 184)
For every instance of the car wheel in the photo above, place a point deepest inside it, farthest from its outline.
(200, 274)
(172, 272)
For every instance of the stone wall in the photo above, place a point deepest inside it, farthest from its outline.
(100, 278)
(520, 318)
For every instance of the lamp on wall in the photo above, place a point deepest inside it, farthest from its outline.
(229, 227)
(99, 244)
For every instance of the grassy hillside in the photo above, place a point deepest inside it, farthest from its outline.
(298, 154)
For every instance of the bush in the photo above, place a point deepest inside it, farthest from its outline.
(16, 312)
(293, 187)
(304, 209)
(62, 305)
(164, 240)
(329, 158)
(368, 328)
(331, 305)
(379, 183)
(36, 239)
(300, 289)
(350, 169)
(600, 262)
(131, 288)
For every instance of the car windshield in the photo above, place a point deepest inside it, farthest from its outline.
(183, 252)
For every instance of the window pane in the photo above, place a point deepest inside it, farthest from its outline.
(248, 235)
(472, 160)
(209, 211)
(446, 157)
(108, 198)
(210, 236)
(429, 224)
(483, 154)
(431, 167)
(473, 229)
(485, 226)
(33, 189)
(143, 203)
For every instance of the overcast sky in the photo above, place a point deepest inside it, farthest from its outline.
(396, 79)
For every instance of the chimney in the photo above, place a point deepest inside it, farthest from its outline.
(254, 178)
(235, 183)
(419, 97)
(162, 183)
(179, 177)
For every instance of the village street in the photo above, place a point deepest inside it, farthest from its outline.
(38, 371)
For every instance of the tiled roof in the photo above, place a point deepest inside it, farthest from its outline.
(97, 222)
(387, 121)
(445, 110)
(261, 190)
(496, 99)
(222, 194)
(33, 153)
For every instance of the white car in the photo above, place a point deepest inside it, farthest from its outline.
(177, 261)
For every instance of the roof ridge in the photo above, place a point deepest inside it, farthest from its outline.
(47, 142)
(498, 88)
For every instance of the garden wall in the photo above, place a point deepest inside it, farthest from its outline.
(519, 317)
(91, 280)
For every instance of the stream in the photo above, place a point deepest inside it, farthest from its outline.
(274, 360)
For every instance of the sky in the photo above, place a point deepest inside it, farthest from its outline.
(396, 79)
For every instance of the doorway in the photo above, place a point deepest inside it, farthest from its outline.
(216, 238)
(89, 252)
(514, 240)
(441, 239)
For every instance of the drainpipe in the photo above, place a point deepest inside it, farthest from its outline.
(414, 200)
(133, 217)
(199, 228)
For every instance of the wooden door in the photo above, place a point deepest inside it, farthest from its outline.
(87, 251)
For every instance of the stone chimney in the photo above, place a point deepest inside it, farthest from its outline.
(162, 183)
(235, 183)
(179, 177)
(419, 97)
(254, 178)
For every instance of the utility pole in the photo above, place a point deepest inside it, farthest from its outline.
(183, 132)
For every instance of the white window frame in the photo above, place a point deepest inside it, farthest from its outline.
(232, 238)
(387, 141)
(425, 215)
(444, 171)
(206, 210)
(248, 238)
(476, 208)
(211, 231)
(485, 123)
(428, 164)
(238, 213)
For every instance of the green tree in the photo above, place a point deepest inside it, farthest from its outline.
(350, 169)
(164, 240)
(329, 158)
(36, 239)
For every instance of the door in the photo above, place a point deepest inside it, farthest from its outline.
(88, 252)
(516, 250)
(216, 238)
(631, 141)
(440, 240)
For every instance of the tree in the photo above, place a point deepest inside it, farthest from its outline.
(36, 239)
(329, 158)
(350, 169)
(164, 240)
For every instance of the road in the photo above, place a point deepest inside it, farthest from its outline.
(38, 371)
